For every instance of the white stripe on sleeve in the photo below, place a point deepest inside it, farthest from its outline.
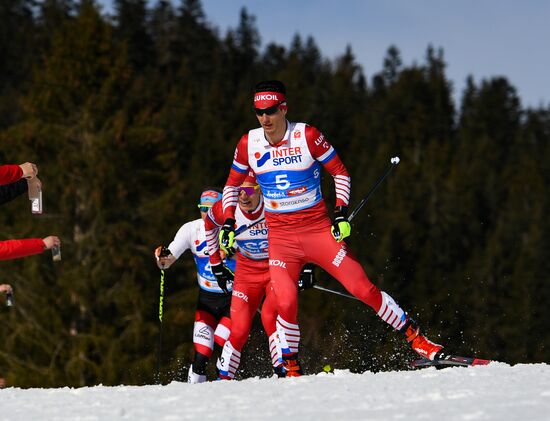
(342, 186)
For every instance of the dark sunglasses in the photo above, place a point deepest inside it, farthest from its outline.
(267, 111)
(249, 190)
(203, 208)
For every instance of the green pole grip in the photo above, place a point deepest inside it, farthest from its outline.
(161, 297)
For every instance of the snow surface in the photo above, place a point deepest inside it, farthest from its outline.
(494, 392)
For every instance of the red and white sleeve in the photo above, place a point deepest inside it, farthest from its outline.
(323, 152)
(214, 219)
(239, 170)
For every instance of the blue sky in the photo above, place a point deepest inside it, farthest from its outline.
(482, 38)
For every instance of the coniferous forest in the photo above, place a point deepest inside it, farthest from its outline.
(128, 116)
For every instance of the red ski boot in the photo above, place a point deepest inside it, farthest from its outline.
(419, 343)
(291, 365)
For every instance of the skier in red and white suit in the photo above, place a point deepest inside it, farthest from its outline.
(252, 277)
(287, 158)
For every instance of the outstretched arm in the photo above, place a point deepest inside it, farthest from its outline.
(13, 249)
(10, 173)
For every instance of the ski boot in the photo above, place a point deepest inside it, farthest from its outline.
(193, 377)
(291, 365)
(279, 371)
(419, 343)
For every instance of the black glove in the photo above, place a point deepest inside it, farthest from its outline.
(227, 235)
(340, 225)
(307, 277)
(223, 275)
(162, 251)
(162, 254)
(232, 251)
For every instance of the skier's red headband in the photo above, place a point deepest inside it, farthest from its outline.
(268, 99)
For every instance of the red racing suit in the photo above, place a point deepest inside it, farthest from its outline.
(251, 283)
(289, 175)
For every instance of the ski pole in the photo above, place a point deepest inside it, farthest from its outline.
(161, 309)
(245, 227)
(393, 162)
(163, 252)
(335, 292)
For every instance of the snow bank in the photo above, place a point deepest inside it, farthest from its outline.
(494, 392)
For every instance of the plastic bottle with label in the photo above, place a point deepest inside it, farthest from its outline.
(35, 195)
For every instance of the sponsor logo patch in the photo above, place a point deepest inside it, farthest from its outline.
(287, 156)
(210, 193)
(240, 295)
(277, 262)
(339, 257)
(262, 159)
(275, 194)
(266, 97)
(297, 191)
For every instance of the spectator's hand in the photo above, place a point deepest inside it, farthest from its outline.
(29, 169)
(164, 257)
(51, 241)
(307, 277)
(5, 288)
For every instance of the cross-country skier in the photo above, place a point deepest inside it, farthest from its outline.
(287, 158)
(212, 323)
(252, 278)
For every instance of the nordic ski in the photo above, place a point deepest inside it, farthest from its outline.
(442, 359)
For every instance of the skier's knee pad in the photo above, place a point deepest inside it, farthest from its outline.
(223, 329)
(203, 338)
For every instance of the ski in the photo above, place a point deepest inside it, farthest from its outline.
(442, 359)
